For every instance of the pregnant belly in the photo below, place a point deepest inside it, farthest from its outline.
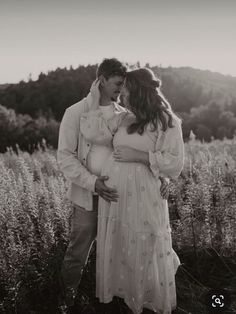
(97, 158)
(121, 174)
(139, 195)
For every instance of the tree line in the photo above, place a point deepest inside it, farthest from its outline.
(32, 111)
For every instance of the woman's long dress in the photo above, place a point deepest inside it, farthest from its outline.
(135, 259)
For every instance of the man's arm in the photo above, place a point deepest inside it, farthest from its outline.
(67, 158)
(70, 164)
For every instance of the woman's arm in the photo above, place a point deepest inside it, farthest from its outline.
(142, 157)
(168, 158)
(129, 154)
(124, 153)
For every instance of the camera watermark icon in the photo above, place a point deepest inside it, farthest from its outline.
(217, 300)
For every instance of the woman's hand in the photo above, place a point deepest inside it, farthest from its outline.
(125, 153)
(164, 188)
(94, 89)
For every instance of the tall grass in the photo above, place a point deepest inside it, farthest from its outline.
(34, 229)
(34, 218)
(205, 197)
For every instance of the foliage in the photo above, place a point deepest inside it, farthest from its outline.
(206, 101)
(33, 229)
(34, 226)
(24, 132)
(50, 94)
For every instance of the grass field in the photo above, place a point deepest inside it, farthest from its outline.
(34, 229)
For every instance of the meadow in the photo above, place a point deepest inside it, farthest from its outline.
(34, 230)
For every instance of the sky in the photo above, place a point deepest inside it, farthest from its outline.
(39, 36)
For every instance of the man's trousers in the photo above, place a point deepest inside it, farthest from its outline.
(82, 235)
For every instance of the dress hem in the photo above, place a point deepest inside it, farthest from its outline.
(110, 299)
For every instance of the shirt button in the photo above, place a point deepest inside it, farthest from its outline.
(88, 144)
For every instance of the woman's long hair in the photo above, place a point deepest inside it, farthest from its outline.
(147, 102)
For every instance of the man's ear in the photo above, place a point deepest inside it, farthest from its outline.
(102, 80)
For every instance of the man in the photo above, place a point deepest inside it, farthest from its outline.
(81, 162)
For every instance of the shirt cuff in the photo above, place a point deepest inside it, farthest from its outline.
(91, 185)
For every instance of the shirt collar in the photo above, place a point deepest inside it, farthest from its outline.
(92, 103)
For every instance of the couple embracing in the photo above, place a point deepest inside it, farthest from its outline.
(117, 160)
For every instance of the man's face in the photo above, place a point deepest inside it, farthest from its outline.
(112, 87)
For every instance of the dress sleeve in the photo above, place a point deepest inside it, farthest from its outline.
(168, 158)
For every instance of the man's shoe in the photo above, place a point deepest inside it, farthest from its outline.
(70, 295)
(76, 309)
(64, 309)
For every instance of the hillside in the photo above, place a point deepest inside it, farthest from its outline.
(206, 101)
(3, 86)
(185, 88)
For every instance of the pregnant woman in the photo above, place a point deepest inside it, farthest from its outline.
(135, 258)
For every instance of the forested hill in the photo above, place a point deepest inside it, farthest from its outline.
(51, 93)
(4, 86)
(205, 100)
(186, 87)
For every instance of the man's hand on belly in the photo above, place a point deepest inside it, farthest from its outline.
(108, 194)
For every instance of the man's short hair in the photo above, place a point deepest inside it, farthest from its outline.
(111, 67)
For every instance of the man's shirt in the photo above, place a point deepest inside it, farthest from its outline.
(98, 154)
(74, 148)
